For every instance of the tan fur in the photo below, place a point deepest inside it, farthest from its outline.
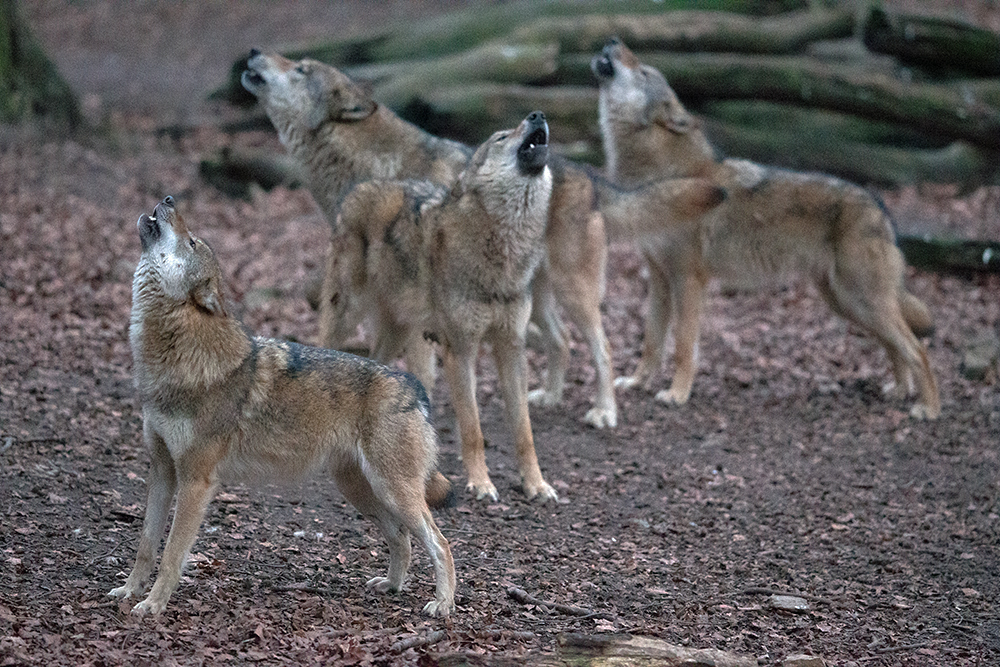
(774, 222)
(359, 139)
(458, 264)
(220, 405)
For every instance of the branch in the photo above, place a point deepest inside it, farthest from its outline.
(524, 598)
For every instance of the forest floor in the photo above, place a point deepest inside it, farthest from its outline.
(788, 471)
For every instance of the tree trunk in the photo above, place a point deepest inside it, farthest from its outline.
(945, 109)
(933, 43)
(690, 31)
(467, 28)
(30, 85)
(951, 255)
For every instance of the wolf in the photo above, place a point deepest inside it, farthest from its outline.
(341, 136)
(457, 264)
(773, 222)
(221, 405)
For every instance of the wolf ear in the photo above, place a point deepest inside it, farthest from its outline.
(674, 118)
(207, 297)
(359, 111)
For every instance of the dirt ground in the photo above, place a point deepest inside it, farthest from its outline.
(787, 472)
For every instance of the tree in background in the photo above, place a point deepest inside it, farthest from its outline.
(30, 85)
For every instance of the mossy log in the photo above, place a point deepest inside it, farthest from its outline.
(395, 84)
(466, 29)
(690, 31)
(945, 109)
(933, 43)
(234, 171)
(962, 256)
(30, 84)
(874, 164)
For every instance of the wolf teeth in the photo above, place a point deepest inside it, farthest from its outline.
(153, 218)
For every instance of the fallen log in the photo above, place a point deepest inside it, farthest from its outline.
(945, 109)
(467, 28)
(875, 164)
(233, 171)
(469, 113)
(933, 43)
(395, 84)
(962, 256)
(690, 31)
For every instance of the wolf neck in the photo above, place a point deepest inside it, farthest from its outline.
(336, 156)
(177, 346)
(653, 152)
(525, 209)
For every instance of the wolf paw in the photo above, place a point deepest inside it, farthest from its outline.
(149, 606)
(383, 585)
(125, 591)
(543, 397)
(439, 608)
(483, 490)
(602, 417)
(541, 492)
(922, 412)
(671, 397)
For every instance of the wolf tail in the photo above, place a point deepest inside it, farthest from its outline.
(918, 317)
(439, 492)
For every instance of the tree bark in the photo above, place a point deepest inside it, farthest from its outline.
(960, 256)
(467, 28)
(690, 31)
(30, 85)
(933, 43)
(945, 109)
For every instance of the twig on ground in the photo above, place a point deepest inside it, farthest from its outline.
(6, 444)
(315, 590)
(524, 598)
(103, 556)
(413, 641)
(892, 649)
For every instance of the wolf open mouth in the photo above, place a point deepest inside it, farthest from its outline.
(602, 67)
(533, 152)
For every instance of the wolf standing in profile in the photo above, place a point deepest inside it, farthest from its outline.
(221, 405)
(773, 222)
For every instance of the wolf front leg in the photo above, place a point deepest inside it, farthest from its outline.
(161, 486)
(193, 496)
(460, 367)
(512, 369)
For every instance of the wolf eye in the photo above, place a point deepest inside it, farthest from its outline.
(502, 137)
(301, 69)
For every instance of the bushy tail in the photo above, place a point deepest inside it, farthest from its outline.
(652, 209)
(918, 317)
(439, 492)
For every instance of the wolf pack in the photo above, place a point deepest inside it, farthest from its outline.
(437, 248)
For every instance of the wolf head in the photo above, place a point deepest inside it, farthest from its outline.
(522, 151)
(174, 263)
(647, 132)
(636, 94)
(304, 94)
